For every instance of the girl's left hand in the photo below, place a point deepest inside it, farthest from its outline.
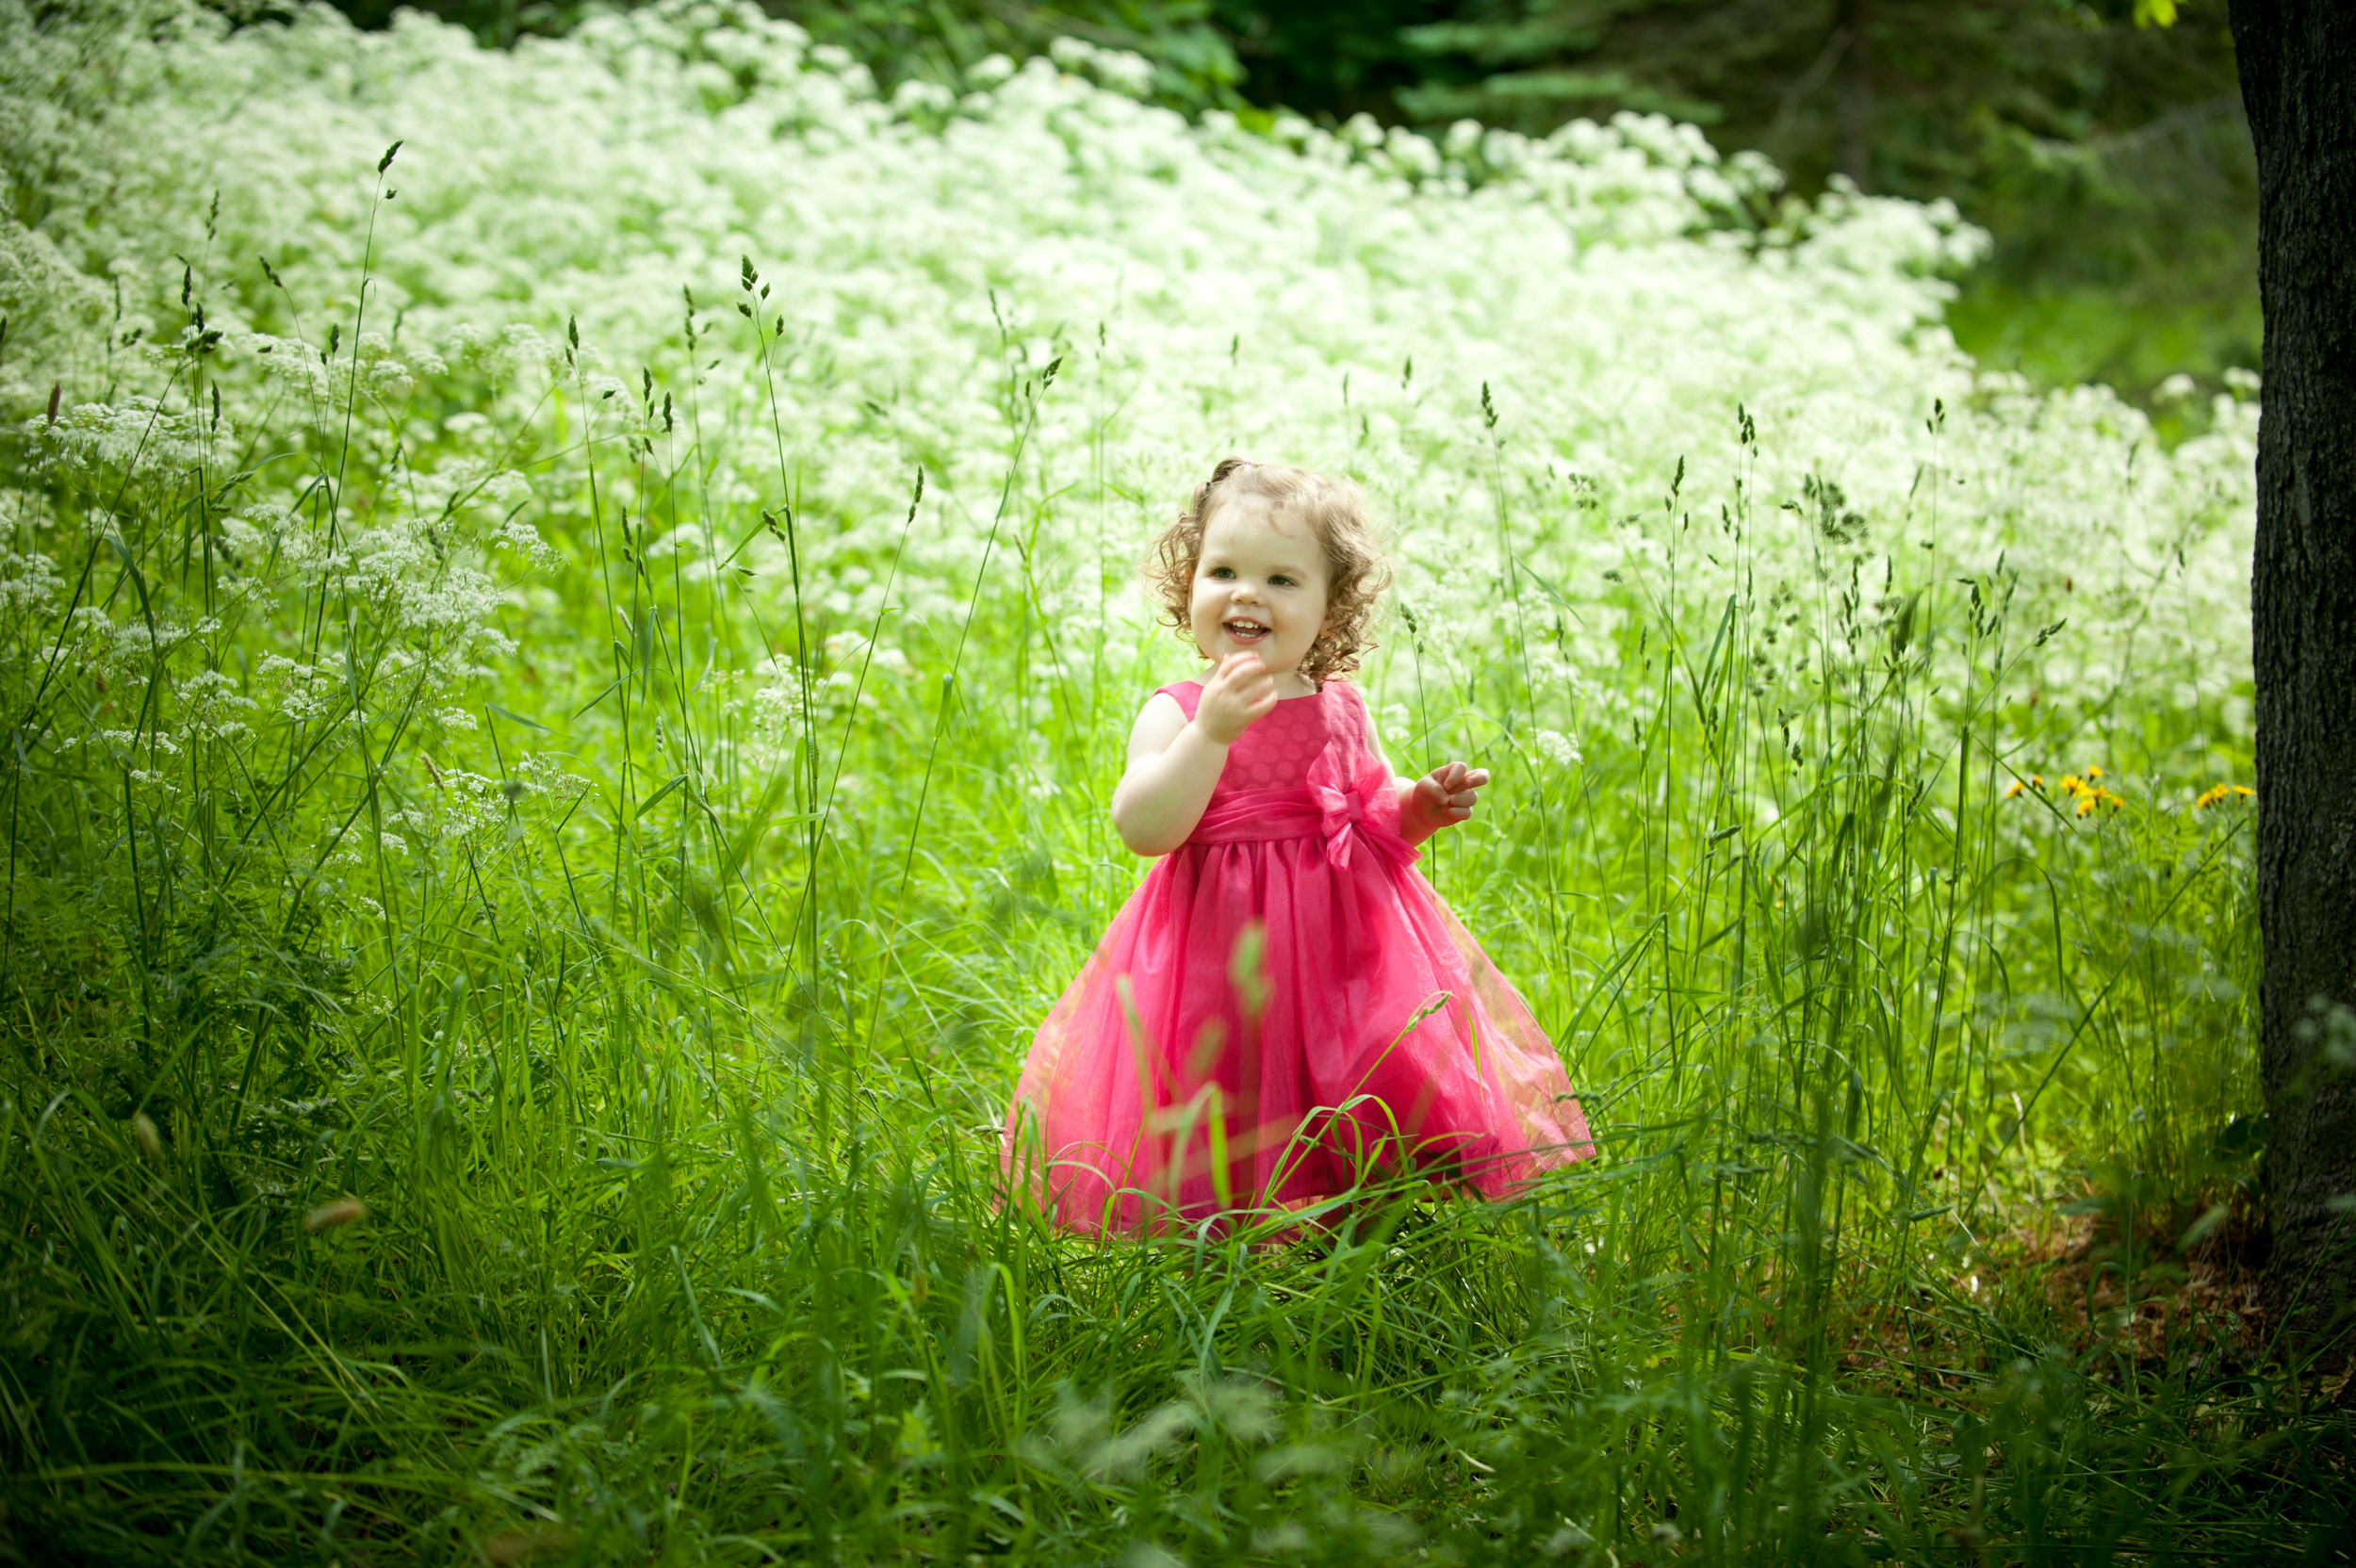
(1441, 798)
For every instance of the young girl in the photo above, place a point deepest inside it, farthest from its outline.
(1285, 1006)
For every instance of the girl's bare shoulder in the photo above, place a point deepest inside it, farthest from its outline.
(1158, 724)
(1163, 702)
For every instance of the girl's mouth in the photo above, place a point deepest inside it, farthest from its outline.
(1244, 630)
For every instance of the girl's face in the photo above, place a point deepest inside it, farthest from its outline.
(1259, 583)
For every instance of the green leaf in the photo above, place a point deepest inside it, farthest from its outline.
(656, 799)
(1551, 591)
(601, 696)
(497, 712)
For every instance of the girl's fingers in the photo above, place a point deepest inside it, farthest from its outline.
(1448, 793)
(1456, 783)
(1245, 673)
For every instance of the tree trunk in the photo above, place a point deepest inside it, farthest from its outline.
(2298, 61)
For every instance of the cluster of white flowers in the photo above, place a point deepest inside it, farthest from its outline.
(28, 582)
(136, 438)
(1529, 349)
(1556, 747)
(212, 706)
(782, 706)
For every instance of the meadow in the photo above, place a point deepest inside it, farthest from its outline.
(569, 620)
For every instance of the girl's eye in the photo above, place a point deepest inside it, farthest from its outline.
(1222, 573)
(1280, 580)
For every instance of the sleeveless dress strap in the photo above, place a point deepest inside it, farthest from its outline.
(1186, 692)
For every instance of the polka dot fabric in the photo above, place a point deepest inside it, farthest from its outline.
(1277, 752)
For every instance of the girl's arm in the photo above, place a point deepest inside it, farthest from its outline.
(1174, 765)
(1441, 798)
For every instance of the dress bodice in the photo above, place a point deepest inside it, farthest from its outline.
(1281, 749)
(1307, 768)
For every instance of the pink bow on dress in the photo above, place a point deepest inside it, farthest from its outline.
(1342, 814)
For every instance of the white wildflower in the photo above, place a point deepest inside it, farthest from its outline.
(209, 703)
(1556, 747)
(28, 582)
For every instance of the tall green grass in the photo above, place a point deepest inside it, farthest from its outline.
(563, 1127)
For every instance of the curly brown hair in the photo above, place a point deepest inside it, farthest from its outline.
(1355, 571)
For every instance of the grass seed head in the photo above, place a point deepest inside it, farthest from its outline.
(327, 1217)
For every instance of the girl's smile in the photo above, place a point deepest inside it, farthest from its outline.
(1244, 629)
(1260, 583)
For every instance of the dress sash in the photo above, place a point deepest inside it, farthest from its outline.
(1345, 820)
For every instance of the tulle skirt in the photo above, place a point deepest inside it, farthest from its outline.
(1267, 1023)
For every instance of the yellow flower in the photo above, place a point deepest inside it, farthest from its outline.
(2095, 795)
(2094, 771)
(2071, 784)
(2211, 796)
(2015, 788)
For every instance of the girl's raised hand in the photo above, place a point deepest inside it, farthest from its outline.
(1441, 798)
(1239, 692)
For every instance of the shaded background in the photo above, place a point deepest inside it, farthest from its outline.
(2100, 142)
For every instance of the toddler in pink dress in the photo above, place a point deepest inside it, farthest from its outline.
(1284, 1007)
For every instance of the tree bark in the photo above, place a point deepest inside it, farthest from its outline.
(2297, 63)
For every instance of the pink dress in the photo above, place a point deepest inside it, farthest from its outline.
(1177, 1079)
